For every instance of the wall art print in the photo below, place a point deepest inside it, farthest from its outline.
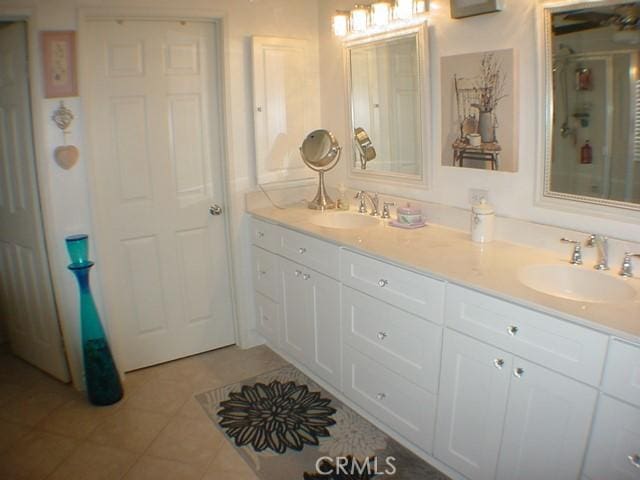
(478, 111)
(59, 64)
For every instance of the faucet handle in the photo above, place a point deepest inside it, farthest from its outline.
(626, 270)
(385, 209)
(576, 256)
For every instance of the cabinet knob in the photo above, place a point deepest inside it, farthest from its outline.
(262, 272)
(381, 396)
(382, 335)
(498, 362)
(383, 283)
(297, 273)
(513, 330)
(635, 460)
(306, 276)
(518, 372)
(260, 234)
(302, 250)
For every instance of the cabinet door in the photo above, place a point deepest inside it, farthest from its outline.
(614, 453)
(268, 319)
(473, 396)
(296, 327)
(546, 426)
(323, 297)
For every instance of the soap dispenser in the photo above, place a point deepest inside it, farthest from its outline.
(483, 218)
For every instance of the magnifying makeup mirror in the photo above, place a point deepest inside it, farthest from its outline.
(364, 147)
(320, 152)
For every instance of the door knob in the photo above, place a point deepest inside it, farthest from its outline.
(215, 209)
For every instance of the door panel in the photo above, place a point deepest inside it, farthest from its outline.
(297, 329)
(27, 304)
(154, 117)
(546, 426)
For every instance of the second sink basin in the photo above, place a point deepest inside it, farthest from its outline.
(576, 283)
(344, 220)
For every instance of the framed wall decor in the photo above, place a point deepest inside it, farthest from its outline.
(59, 64)
(469, 8)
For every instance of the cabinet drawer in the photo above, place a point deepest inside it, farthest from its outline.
(408, 345)
(265, 273)
(622, 373)
(265, 235)
(268, 319)
(321, 256)
(615, 442)
(569, 349)
(410, 291)
(400, 404)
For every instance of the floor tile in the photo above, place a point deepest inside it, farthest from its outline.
(234, 364)
(150, 468)
(131, 429)
(228, 464)
(77, 418)
(160, 396)
(190, 441)
(32, 406)
(35, 456)
(11, 434)
(95, 462)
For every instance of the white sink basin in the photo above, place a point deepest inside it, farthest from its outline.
(344, 220)
(576, 283)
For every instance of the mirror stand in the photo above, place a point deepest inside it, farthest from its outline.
(322, 201)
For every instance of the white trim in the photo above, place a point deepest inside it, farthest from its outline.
(220, 20)
(544, 197)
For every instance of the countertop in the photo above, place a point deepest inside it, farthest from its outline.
(491, 268)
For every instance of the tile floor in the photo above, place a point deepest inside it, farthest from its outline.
(158, 431)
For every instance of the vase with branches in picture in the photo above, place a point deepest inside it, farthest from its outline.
(490, 89)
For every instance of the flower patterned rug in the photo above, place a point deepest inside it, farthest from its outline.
(286, 427)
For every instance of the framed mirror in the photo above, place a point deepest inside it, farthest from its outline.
(386, 75)
(592, 98)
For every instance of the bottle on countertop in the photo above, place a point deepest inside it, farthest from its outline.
(483, 218)
(343, 200)
(586, 154)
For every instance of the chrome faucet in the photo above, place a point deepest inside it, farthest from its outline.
(576, 256)
(602, 244)
(627, 266)
(374, 200)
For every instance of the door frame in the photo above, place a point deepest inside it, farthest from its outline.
(214, 17)
(29, 16)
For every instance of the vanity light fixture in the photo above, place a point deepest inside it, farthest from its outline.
(341, 23)
(359, 18)
(380, 16)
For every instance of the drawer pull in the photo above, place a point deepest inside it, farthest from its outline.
(382, 335)
(306, 276)
(383, 283)
(518, 372)
(260, 234)
(513, 330)
(302, 250)
(381, 396)
(498, 362)
(297, 273)
(635, 460)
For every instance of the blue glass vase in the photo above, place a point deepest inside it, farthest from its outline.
(101, 375)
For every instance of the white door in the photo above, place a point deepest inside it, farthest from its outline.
(546, 427)
(26, 297)
(297, 331)
(156, 170)
(474, 387)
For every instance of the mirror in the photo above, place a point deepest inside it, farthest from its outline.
(385, 83)
(364, 147)
(320, 152)
(593, 98)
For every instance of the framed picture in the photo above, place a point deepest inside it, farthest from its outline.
(468, 8)
(59, 64)
(479, 111)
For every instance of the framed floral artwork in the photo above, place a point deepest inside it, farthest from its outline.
(469, 8)
(59, 64)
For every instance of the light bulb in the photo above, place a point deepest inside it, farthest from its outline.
(359, 18)
(380, 13)
(404, 9)
(341, 23)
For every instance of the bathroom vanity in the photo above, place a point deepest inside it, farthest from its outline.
(437, 341)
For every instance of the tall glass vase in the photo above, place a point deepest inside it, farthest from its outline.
(101, 375)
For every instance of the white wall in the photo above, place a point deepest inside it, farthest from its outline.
(512, 193)
(65, 193)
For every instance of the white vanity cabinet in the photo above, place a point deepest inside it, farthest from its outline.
(500, 416)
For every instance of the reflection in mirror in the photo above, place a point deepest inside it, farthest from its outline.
(594, 69)
(385, 94)
(364, 147)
